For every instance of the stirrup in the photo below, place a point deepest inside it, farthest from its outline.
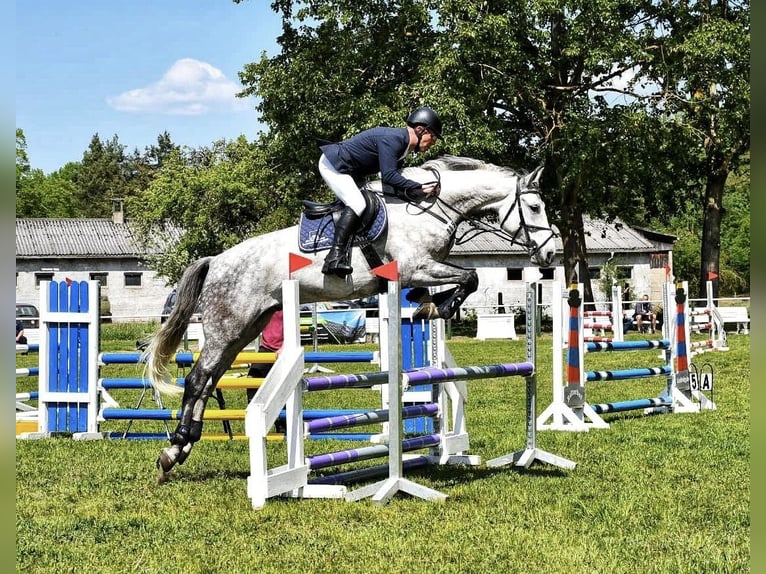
(337, 268)
(337, 264)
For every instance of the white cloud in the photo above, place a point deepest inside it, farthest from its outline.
(189, 87)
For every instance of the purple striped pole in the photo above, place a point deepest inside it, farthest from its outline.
(435, 374)
(419, 376)
(361, 380)
(372, 417)
(367, 452)
(359, 474)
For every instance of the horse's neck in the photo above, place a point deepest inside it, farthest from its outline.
(464, 192)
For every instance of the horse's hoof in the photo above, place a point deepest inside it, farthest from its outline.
(162, 477)
(165, 463)
(427, 311)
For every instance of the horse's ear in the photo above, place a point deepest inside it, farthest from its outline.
(535, 176)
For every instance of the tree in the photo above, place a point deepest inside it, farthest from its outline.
(142, 167)
(101, 178)
(38, 195)
(204, 201)
(581, 88)
(703, 66)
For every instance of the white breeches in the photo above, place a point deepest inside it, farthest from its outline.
(342, 185)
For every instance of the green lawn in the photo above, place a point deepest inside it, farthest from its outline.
(665, 493)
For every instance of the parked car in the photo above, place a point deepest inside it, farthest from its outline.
(28, 315)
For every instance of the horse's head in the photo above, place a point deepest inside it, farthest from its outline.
(472, 188)
(523, 216)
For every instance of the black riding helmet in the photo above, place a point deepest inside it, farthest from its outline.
(425, 116)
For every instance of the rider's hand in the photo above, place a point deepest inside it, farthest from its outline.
(431, 189)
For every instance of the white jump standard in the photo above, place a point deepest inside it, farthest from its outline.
(284, 386)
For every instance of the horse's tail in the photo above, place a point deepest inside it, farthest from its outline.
(165, 342)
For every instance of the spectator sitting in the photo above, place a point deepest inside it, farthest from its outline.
(168, 306)
(644, 311)
(21, 339)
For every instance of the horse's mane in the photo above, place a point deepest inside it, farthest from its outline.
(458, 163)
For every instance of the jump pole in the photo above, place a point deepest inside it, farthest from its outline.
(383, 490)
(531, 453)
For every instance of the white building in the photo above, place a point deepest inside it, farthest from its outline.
(104, 250)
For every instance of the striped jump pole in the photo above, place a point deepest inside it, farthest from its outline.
(187, 358)
(679, 390)
(570, 409)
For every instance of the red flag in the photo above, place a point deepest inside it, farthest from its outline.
(388, 271)
(712, 275)
(298, 262)
(667, 269)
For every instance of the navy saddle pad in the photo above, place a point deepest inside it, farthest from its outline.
(316, 234)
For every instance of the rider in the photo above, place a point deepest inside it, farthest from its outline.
(344, 165)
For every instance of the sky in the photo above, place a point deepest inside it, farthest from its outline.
(134, 70)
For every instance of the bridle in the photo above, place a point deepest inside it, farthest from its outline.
(527, 228)
(480, 226)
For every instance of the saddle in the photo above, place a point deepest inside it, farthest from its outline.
(317, 224)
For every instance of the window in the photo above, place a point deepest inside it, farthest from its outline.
(658, 261)
(547, 272)
(40, 277)
(623, 272)
(133, 280)
(513, 274)
(100, 277)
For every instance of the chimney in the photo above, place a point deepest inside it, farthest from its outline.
(118, 214)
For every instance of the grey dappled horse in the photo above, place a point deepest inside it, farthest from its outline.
(239, 289)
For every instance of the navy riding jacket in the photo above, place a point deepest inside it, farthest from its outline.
(371, 151)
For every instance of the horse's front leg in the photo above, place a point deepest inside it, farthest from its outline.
(446, 303)
(198, 388)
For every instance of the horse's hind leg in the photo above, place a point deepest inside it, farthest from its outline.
(198, 387)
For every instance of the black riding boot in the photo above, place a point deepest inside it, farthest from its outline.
(336, 262)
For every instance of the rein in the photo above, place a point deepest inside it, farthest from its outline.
(483, 227)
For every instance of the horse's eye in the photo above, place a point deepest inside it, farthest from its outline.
(535, 208)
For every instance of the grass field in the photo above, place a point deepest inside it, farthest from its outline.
(652, 494)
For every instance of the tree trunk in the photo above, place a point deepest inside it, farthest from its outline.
(573, 239)
(711, 228)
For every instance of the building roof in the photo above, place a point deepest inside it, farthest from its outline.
(75, 238)
(600, 237)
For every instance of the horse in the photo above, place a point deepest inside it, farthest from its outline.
(239, 289)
